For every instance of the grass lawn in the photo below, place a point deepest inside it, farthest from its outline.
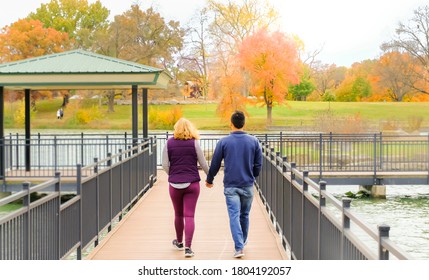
(295, 114)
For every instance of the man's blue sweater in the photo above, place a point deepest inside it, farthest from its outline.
(242, 157)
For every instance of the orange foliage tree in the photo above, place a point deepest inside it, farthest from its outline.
(271, 59)
(28, 38)
(232, 100)
(396, 73)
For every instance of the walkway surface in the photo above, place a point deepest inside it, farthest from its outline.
(146, 232)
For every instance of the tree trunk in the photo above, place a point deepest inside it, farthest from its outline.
(269, 115)
(65, 100)
(110, 101)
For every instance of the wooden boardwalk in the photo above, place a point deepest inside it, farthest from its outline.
(147, 230)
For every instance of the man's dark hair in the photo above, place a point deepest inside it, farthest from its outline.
(238, 119)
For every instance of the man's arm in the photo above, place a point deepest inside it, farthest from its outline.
(257, 165)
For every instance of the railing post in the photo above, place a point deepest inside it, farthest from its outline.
(281, 143)
(304, 191)
(330, 150)
(320, 155)
(17, 151)
(58, 190)
(38, 148)
(381, 151)
(121, 185)
(375, 159)
(284, 164)
(55, 154)
(427, 152)
(383, 232)
(97, 201)
(292, 178)
(109, 165)
(345, 225)
(79, 193)
(322, 204)
(26, 203)
(81, 148)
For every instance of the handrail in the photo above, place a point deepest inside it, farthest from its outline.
(289, 180)
(48, 229)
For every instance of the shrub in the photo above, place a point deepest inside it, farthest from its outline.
(86, 115)
(159, 119)
(19, 114)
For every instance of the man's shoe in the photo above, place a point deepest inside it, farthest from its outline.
(178, 246)
(189, 253)
(238, 254)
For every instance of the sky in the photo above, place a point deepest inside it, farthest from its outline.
(345, 31)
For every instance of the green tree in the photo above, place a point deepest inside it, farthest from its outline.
(82, 21)
(301, 90)
(143, 37)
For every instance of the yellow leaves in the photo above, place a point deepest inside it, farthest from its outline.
(164, 119)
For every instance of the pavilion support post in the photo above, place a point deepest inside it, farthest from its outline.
(27, 130)
(2, 140)
(145, 114)
(134, 105)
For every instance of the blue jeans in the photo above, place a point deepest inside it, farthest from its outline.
(239, 202)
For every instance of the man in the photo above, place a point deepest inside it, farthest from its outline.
(242, 157)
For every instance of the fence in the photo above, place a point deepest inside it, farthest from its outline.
(353, 152)
(312, 152)
(49, 229)
(59, 153)
(313, 224)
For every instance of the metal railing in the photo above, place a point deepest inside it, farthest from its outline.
(313, 224)
(49, 229)
(51, 153)
(353, 152)
(312, 152)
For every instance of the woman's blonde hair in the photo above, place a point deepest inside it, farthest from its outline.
(185, 130)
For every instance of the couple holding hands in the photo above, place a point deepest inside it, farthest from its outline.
(242, 156)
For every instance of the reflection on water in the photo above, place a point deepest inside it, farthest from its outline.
(405, 210)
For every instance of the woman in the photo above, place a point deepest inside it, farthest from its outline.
(179, 159)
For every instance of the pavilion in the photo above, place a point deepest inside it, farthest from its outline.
(77, 69)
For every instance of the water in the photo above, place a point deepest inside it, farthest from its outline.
(405, 210)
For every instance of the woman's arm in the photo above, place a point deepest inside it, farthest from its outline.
(201, 159)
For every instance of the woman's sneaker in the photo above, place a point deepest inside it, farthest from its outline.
(189, 253)
(178, 246)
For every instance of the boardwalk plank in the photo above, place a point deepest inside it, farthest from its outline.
(147, 230)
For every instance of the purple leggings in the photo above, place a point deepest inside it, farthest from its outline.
(184, 203)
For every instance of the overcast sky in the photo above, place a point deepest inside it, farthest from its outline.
(346, 31)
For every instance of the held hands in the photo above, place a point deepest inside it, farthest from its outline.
(209, 185)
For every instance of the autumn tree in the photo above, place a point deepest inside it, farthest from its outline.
(396, 74)
(271, 60)
(327, 78)
(356, 85)
(195, 58)
(413, 39)
(143, 37)
(82, 21)
(231, 98)
(28, 38)
(231, 22)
